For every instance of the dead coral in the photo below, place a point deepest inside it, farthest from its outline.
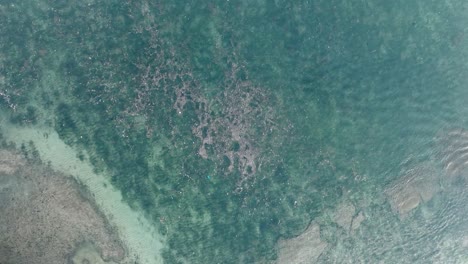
(245, 118)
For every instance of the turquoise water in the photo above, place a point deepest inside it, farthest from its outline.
(235, 124)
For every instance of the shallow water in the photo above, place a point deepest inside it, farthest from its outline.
(233, 126)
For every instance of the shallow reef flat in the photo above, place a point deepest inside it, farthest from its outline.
(46, 216)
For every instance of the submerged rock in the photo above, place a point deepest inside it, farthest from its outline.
(305, 248)
(418, 185)
(344, 215)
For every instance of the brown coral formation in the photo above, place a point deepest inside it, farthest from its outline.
(229, 126)
(46, 215)
(305, 248)
(418, 185)
(245, 118)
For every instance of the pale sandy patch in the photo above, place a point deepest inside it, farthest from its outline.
(88, 254)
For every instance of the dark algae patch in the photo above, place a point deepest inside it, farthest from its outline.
(232, 124)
